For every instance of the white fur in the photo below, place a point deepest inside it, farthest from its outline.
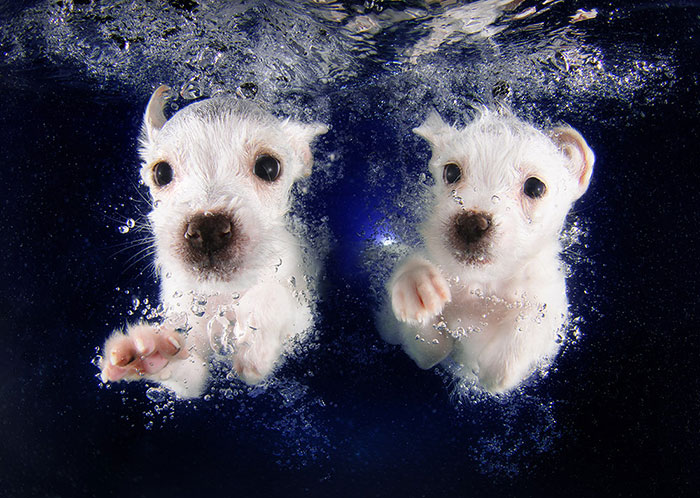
(263, 300)
(498, 317)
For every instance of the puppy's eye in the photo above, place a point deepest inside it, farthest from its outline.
(267, 168)
(451, 173)
(534, 188)
(162, 174)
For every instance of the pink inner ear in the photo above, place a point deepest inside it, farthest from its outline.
(584, 157)
(154, 118)
(574, 154)
(580, 156)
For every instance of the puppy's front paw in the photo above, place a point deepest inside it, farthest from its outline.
(253, 360)
(419, 292)
(144, 350)
(265, 318)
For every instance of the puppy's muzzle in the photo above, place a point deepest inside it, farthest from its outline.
(470, 227)
(209, 233)
(469, 234)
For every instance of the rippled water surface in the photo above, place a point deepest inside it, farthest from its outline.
(348, 414)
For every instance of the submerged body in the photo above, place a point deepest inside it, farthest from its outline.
(489, 290)
(232, 277)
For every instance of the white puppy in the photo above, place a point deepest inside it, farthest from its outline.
(489, 291)
(232, 277)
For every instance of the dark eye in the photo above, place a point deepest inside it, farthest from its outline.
(534, 188)
(451, 173)
(162, 173)
(267, 168)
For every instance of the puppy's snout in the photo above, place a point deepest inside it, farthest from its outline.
(209, 232)
(471, 226)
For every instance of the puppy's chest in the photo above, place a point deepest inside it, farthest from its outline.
(475, 311)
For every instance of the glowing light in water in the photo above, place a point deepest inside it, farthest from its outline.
(385, 240)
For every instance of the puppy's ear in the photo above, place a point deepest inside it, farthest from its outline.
(579, 155)
(433, 129)
(300, 137)
(154, 119)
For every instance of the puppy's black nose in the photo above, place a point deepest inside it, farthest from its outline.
(209, 232)
(471, 226)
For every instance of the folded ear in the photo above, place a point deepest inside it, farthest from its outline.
(579, 155)
(154, 119)
(433, 129)
(301, 136)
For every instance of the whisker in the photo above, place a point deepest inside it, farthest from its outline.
(145, 250)
(145, 255)
(128, 245)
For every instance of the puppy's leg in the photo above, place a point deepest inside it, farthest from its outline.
(426, 345)
(515, 350)
(418, 291)
(266, 316)
(501, 366)
(152, 353)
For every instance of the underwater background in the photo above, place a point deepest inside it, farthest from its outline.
(349, 415)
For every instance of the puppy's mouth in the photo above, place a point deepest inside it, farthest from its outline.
(211, 245)
(469, 235)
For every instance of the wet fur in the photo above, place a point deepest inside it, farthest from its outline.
(251, 293)
(494, 307)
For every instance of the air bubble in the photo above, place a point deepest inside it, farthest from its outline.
(247, 90)
(495, 199)
(123, 229)
(560, 62)
(130, 223)
(96, 360)
(157, 394)
(199, 299)
(191, 90)
(441, 327)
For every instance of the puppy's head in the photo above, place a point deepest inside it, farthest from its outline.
(219, 172)
(502, 190)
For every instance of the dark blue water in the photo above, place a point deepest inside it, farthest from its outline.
(352, 416)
